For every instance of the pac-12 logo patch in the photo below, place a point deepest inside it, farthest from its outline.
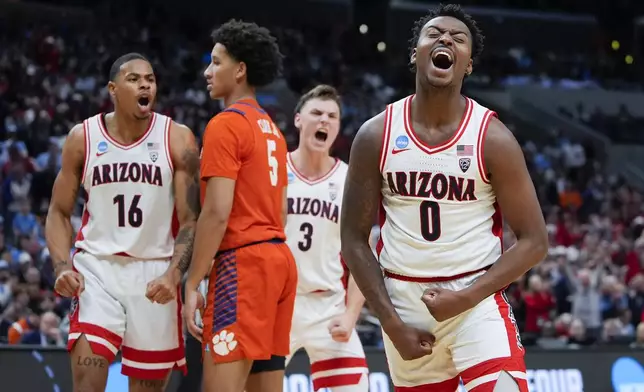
(402, 141)
(333, 190)
(464, 164)
(154, 156)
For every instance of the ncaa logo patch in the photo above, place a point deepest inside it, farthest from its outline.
(464, 164)
(102, 146)
(291, 177)
(402, 141)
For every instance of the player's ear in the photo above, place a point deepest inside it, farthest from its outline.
(241, 70)
(468, 70)
(111, 89)
(297, 121)
(412, 60)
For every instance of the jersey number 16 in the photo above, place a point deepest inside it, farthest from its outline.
(134, 213)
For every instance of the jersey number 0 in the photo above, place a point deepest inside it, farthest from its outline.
(430, 220)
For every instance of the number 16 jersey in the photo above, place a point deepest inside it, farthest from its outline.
(130, 197)
(313, 228)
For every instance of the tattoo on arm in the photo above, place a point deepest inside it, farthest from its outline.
(184, 243)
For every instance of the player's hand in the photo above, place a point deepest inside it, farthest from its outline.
(69, 283)
(341, 327)
(193, 302)
(162, 289)
(411, 343)
(443, 304)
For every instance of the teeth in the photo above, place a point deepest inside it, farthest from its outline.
(443, 52)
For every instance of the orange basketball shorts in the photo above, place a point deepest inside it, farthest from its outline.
(249, 307)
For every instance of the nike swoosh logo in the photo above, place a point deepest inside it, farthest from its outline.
(98, 154)
(394, 152)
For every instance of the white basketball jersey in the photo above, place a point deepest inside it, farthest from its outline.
(439, 216)
(130, 203)
(313, 228)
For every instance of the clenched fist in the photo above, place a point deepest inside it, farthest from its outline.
(69, 283)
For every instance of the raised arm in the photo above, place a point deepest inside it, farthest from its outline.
(58, 227)
(185, 160)
(359, 210)
(515, 193)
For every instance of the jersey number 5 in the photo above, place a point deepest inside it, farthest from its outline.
(430, 220)
(134, 213)
(272, 161)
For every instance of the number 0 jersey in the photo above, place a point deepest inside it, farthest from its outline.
(130, 197)
(313, 228)
(439, 216)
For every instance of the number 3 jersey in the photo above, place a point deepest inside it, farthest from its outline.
(130, 197)
(439, 216)
(313, 228)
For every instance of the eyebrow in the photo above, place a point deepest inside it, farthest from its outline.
(442, 30)
(138, 74)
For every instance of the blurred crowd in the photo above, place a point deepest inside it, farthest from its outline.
(590, 289)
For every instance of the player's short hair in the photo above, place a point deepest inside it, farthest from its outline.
(253, 45)
(118, 63)
(454, 11)
(321, 91)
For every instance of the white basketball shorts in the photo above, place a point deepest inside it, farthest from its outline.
(475, 346)
(114, 314)
(333, 364)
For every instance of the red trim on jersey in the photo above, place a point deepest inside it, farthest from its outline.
(103, 127)
(497, 223)
(87, 148)
(386, 132)
(382, 218)
(166, 142)
(84, 220)
(409, 128)
(310, 181)
(481, 145)
(450, 385)
(338, 363)
(432, 279)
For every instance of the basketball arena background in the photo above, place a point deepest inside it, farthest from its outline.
(565, 76)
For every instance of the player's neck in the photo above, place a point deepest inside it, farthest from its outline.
(242, 93)
(435, 107)
(312, 164)
(126, 129)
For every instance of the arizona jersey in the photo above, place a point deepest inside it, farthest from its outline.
(130, 198)
(439, 216)
(313, 228)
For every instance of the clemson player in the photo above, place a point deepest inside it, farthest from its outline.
(253, 280)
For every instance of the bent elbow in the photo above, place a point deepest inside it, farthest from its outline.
(539, 248)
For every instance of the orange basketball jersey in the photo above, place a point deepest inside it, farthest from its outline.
(242, 143)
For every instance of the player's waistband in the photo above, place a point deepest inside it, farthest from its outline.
(435, 279)
(269, 241)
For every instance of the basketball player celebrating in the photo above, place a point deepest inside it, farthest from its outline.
(243, 170)
(136, 166)
(323, 324)
(441, 168)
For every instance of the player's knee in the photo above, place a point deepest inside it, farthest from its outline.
(506, 383)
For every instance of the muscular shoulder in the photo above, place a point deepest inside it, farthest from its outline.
(74, 148)
(228, 119)
(371, 133)
(183, 146)
(500, 146)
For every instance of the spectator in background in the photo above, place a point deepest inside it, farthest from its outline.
(586, 300)
(24, 222)
(639, 337)
(578, 335)
(538, 304)
(47, 334)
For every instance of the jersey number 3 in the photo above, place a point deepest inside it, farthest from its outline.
(430, 220)
(272, 161)
(133, 212)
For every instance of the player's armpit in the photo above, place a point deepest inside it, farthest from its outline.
(58, 227)
(211, 226)
(185, 159)
(285, 207)
(518, 201)
(359, 209)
